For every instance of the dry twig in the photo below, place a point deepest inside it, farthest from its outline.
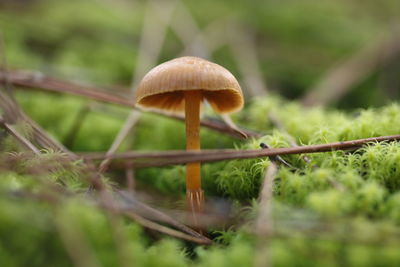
(164, 158)
(129, 124)
(264, 222)
(39, 81)
(278, 124)
(21, 139)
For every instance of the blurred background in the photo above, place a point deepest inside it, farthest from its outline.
(342, 53)
(341, 208)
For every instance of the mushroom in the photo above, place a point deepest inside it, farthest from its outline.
(180, 85)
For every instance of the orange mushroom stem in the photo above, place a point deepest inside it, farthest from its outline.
(194, 193)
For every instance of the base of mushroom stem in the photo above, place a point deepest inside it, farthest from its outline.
(195, 202)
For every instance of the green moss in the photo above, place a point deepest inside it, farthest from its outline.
(341, 208)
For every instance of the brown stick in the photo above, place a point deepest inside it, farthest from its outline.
(25, 142)
(279, 125)
(124, 131)
(36, 81)
(264, 222)
(163, 158)
(47, 142)
(166, 230)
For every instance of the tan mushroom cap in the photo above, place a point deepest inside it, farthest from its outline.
(163, 87)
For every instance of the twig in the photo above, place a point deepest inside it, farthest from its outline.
(154, 31)
(93, 176)
(228, 121)
(278, 124)
(168, 231)
(130, 177)
(108, 203)
(76, 245)
(13, 113)
(129, 123)
(163, 158)
(25, 142)
(276, 159)
(38, 81)
(155, 214)
(264, 222)
(28, 80)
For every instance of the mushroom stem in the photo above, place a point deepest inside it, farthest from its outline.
(193, 179)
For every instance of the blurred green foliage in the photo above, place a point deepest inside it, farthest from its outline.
(342, 208)
(296, 41)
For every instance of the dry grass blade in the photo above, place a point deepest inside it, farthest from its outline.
(129, 123)
(163, 158)
(37, 80)
(77, 247)
(47, 142)
(228, 121)
(166, 230)
(151, 213)
(189, 31)
(210, 37)
(243, 45)
(264, 223)
(153, 34)
(130, 177)
(155, 25)
(13, 113)
(338, 81)
(25, 142)
(32, 81)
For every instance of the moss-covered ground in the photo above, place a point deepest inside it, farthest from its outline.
(341, 208)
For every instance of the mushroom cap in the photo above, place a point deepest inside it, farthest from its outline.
(163, 87)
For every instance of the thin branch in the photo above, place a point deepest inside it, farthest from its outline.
(278, 124)
(130, 177)
(264, 222)
(277, 159)
(94, 177)
(45, 140)
(154, 214)
(164, 158)
(228, 121)
(13, 113)
(32, 81)
(76, 245)
(154, 31)
(37, 80)
(129, 124)
(166, 230)
(25, 142)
